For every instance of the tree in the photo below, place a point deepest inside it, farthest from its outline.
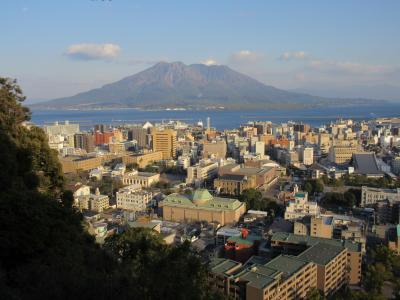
(308, 187)
(147, 260)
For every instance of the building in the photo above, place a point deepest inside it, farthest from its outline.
(396, 165)
(233, 179)
(366, 164)
(202, 206)
(84, 141)
(144, 179)
(307, 156)
(338, 261)
(121, 147)
(204, 170)
(341, 153)
(300, 207)
(164, 141)
(259, 148)
(94, 202)
(142, 159)
(72, 164)
(61, 129)
(133, 198)
(215, 149)
(284, 277)
(140, 135)
(370, 196)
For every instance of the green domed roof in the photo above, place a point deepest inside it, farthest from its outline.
(201, 196)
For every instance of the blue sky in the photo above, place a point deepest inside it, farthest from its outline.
(59, 48)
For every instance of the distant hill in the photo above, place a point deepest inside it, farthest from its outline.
(171, 85)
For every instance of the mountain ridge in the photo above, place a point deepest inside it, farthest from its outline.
(171, 85)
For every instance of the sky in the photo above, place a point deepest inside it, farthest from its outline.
(59, 48)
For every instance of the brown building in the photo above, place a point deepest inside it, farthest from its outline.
(84, 141)
(72, 164)
(284, 277)
(165, 141)
(142, 159)
(346, 255)
(233, 179)
(202, 206)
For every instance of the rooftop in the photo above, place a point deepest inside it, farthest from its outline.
(321, 253)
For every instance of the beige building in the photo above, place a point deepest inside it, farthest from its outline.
(202, 206)
(133, 198)
(324, 142)
(165, 141)
(72, 164)
(370, 196)
(142, 159)
(204, 170)
(342, 152)
(216, 149)
(144, 179)
(94, 202)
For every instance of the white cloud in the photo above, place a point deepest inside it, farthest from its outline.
(300, 55)
(245, 56)
(93, 51)
(209, 62)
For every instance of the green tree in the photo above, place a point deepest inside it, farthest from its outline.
(314, 294)
(147, 260)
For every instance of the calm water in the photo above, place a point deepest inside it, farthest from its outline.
(219, 119)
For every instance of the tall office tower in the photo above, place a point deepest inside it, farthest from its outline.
(308, 156)
(301, 127)
(164, 141)
(140, 135)
(63, 129)
(84, 141)
(208, 123)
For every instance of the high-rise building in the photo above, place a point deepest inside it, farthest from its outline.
(164, 141)
(140, 135)
(84, 141)
(259, 148)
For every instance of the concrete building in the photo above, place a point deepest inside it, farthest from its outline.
(62, 129)
(215, 149)
(285, 277)
(72, 164)
(233, 179)
(144, 179)
(204, 170)
(140, 135)
(396, 165)
(164, 141)
(338, 261)
(259, 148)
(142, 159)
(133, 198)
(300, 207)
(202, 206)
(370, 196)
(84, 141)
(307, 156)
(94, 202)
(342, 152)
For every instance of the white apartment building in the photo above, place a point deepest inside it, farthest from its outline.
(301, 207)
(370, 196)
(205, 169)
(133, 198)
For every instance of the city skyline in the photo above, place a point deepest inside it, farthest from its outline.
(346, 48)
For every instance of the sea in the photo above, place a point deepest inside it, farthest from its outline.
(220, 119)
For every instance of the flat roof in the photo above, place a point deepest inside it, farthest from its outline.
(321, 253)
(310, 241)
(221, 265)
(287, 264)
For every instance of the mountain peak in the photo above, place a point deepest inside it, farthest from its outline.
(172, 84)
